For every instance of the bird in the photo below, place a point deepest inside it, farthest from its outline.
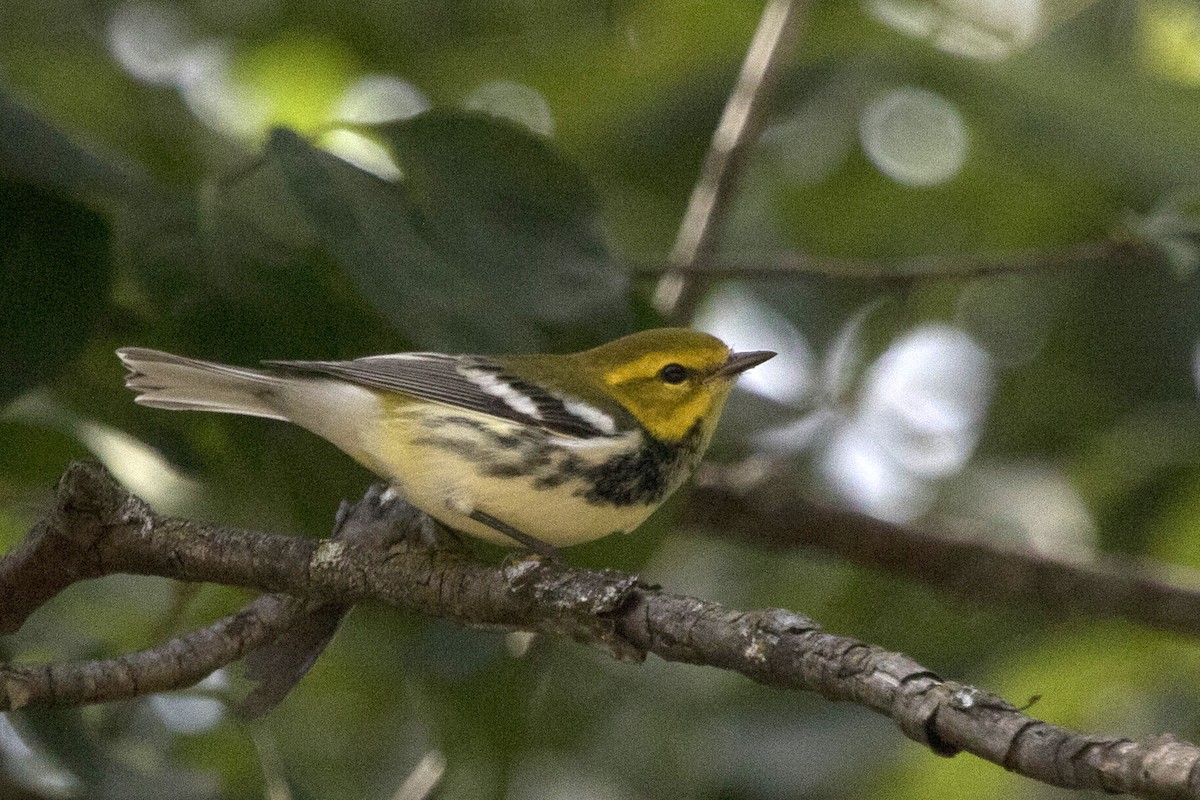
(539, 451)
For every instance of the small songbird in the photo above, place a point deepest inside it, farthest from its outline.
(541, 450)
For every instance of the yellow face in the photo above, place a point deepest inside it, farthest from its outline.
(667, 378)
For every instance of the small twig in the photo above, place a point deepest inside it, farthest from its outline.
(741, 121)
(789, 265)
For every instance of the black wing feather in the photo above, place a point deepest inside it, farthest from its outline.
(441, 378)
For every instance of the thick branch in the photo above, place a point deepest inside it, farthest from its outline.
(774, 647)
(973, 569)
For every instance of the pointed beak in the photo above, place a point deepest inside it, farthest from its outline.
(737, 363)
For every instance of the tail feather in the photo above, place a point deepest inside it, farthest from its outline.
(163, 380)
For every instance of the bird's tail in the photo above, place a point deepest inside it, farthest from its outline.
(163, 380)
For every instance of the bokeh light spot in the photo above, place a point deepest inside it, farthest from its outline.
(208, 88)
(980, 29)
(1170, 40)
(733, 314)
(303, 78)
(380, 98)
(915, 137)
(150, 41)
(363, 152)
(513, 101)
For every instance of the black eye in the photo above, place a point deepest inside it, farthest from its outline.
(673, 373)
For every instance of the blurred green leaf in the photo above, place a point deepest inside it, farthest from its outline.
(54, 277)
(490, 242)
(44, 452)
(36, 152)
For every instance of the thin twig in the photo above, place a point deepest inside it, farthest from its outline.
(180, 662)
(791, 264)
(118, 533)
(741, 121)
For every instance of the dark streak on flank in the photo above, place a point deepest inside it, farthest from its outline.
(642, 477)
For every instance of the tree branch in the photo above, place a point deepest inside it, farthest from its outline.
(791, 264)
(107, 530)
(738, 129)
(970, 568)
(176, 664)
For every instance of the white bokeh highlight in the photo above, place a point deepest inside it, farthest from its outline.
(883, 438)
(363, 152)
(135, 464)
(1029, 505)
(156, 44)
(32, 768)
(987, 30)
(735, 316)
(915, 137)
(380, 98)
(191, 712)
(925, 399)
(513, 101)
(150, 41)
(916, 419)
(207, 85)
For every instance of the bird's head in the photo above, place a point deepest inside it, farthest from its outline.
(669, 378)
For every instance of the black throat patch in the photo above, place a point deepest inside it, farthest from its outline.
(646, 475)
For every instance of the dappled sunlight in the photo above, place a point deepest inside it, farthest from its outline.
(1170, 39)
(363, 152)
(152, 41)
(140, 467)
(242, 91)
(915, 419)
(513, 101)
(218, 100)
(925, 399)
(156, 44)
(970, 230)
(1031, 504)
(32, 768)
(866, 474)
(194, 710)
(915, 137)
(983, 29)
(380, 98)
(734, 315)
(372, 100)
(135, 464)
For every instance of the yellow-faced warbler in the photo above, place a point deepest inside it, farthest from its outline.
(544, 450)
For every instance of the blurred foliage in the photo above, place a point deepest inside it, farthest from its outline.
(146, 197)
